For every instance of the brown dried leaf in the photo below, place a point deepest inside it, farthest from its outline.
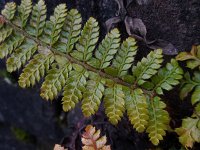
(92, 141)
(192, 58)
(167, 47)
(106, 147)
(58, 147)
(135, 28)
(110, 23)
(2, 20)
(122, 10)
(193, 54)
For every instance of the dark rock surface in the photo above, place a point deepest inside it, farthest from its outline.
(26, 110)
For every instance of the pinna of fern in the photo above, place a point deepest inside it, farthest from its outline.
(189, 131)
(73, 64)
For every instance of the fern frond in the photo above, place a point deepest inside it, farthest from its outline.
(167, 77)
(87, 41)
(196, 95)
(9, 11)
(125, 56)
(75, 85)
(92, 141)
(114, 103)
(54, 26)
(189, 132)
(158, 120)
(106, 50)
(10, 45)
(93, 95)
(190, 85)
(137, 109)
(21, 55)
(70, 33)
(37, 21)
(5, 32)
(56, 79)
(35, 69)
(24, 10)
(192, 58)
(148, 66)
(187, 86)
(82, 70)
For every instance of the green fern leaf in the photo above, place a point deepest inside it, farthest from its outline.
(21, 55)
(106, 50)
(38, 17)
(75, 85)
(189, 132)
(10, 45)
(87, 41)
(55, 80)
(158, 120)
(5, 32)
(24, 11)
(70, 33)
(190, 85)
(9, 11)
(196, 95)
(114, 103)
(137, 110)
(167, 77)
(148, 66)
(93, 95)
(54, 26)
(187, 85)
(35, 69)
(192, 58)
(125, 56)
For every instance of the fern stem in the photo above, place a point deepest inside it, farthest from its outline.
(73, 60)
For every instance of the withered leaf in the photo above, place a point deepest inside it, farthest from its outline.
(110, 23)
(58, 147)
(92, 141)
(2, 20)
(136, 28)
(122, 10)
(167, 47)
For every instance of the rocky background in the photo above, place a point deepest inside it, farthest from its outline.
(28, 122)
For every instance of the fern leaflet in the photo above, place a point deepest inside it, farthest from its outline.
(158, 120)
(137, 109)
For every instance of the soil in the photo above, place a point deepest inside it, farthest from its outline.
(177, 21)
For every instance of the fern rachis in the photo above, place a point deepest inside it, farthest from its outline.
(83, 72)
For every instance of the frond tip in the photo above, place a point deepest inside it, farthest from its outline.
(137, 109)
(93, 95)
(56, 79)
(158, 120)
(35, 70)
(75, 85)
(114, 103)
